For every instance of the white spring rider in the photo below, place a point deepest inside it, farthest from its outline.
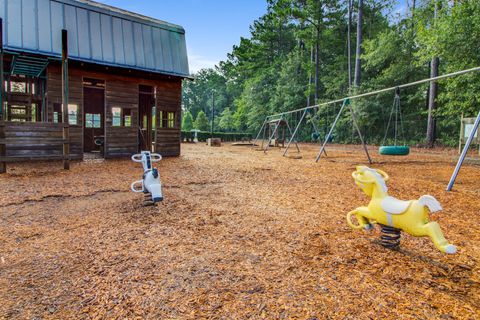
(150, 184)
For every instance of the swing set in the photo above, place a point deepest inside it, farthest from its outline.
(395, 120)
(274, 132)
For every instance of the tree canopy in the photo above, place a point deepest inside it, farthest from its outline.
(297, 53)
(201, 122)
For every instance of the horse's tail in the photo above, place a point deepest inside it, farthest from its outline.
(430, 202)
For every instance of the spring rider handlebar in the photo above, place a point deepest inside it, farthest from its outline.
(150, 184)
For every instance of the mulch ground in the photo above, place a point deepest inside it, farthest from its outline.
(241, 234)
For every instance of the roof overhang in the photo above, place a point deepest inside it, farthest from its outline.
(28, 66)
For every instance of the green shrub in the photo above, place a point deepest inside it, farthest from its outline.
(225, 136)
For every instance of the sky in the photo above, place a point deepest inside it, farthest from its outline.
(212, 27)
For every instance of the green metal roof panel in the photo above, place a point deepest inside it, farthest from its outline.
(97, 33)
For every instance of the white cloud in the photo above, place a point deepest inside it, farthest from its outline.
(197, 62)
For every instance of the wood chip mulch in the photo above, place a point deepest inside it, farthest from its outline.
(240, 235)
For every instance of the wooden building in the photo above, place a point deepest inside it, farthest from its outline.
(82, 77)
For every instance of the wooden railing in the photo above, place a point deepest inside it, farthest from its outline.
(31, 141)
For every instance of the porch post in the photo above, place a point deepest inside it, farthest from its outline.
(3, 165)
(66, 133)
(2, 110)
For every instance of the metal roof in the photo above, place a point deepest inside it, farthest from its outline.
(97, 33)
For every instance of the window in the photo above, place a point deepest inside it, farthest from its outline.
(17, 86)
(154, 116)
(22, 113)
(116, 117)
(166, 119)
(57, 113)
(171, 119)
(33, 115)
(93, 120)
(95, 83)
(72, 114)
(121, 117)
(17, 113)
(127, 117)
(18, 110)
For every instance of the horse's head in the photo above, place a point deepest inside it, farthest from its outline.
(368, 179)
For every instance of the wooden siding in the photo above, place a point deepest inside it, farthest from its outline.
(120, 91)
(167, 141)
(54, 91)
(121, 141)
(31, 140)
(76, 142)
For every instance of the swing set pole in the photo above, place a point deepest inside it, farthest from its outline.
(295, 132)
(345, 103)
(259, 132)
(464, 153)
(272, 135)
(355, 124)
(371, 93)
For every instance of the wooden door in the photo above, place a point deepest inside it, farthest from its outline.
(146, 101)
(93, 118)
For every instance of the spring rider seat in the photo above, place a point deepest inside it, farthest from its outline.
(150, 184)
(395, 215)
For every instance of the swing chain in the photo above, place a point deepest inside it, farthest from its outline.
(396, 109)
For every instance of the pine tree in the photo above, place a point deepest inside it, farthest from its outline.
(201, 123)
(187, 122)
(226, 120)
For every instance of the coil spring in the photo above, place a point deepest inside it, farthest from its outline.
(390, 237)
(147, 200)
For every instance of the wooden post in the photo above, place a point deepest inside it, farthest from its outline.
(3, 165)
(2, 109)
(66, 133)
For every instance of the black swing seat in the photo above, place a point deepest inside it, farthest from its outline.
(394, 150)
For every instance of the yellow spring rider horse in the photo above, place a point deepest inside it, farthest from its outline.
(409, 216)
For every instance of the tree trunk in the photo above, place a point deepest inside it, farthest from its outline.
(432, 96)
(413, 15)
(349, 44)
(317, 65)
(310, 77)
(358, 63)
(432, 103)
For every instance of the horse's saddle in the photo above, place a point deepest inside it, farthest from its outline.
(394, 206)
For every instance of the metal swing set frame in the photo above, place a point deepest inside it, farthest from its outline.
(277, 124)
(346, 103)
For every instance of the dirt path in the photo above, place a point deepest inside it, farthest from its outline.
(240, 235)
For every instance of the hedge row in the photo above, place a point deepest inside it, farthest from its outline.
(225, 136)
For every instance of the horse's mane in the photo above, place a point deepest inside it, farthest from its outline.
(379, 178)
